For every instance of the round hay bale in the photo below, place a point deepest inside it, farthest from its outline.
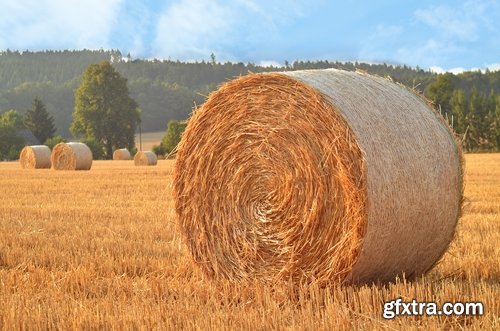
(71, 156)
(35, 157)
(146, 158)
(317, 176)
(121, 154)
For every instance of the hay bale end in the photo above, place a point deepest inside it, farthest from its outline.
(71, 156)
(122, 154)
(35, 157)
(145, 158)
(317, 176)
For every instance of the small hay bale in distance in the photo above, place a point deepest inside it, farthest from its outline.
(320, 176)
(71, 156)
(122, 154)
(35, 157)
(145, 158)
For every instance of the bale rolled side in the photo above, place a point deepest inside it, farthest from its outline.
(35, 157)
(121, 154)
(320, 175)
(146, 158)
(71, 156)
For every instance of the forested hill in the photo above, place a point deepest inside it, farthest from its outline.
(168, 89)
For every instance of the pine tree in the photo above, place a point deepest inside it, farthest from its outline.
(496, 122)
(478, 127)
(458, 107)
(492, 120)
(39, 121)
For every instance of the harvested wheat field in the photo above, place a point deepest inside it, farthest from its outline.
(100, 249)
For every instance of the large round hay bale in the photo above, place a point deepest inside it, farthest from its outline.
(321, 175)
(146, 158)
(71, 156)
(35, 157)
(121, 154)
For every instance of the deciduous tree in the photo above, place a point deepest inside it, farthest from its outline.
(172, 136)
(104, 110)
(10, 142)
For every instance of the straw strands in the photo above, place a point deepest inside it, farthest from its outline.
(121, 154)
(71, 156)
(35, 157)
(316, 176)
(146, 158)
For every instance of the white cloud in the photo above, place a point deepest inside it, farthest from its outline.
(134, 20)
(454, 33)
(186, 26)
(275, 12)
(437, 70)
(465, 22)
(384, 31)
(192, 29)
(269, 63)
(383, 34)
(493, 66)
(457, 70)
(431, 54)
(450, 22)
(33, 24)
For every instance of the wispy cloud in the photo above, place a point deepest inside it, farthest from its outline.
(192, 29)
(269, 63)
(134, 22)
(464, 22)
(446, 34)
(36, 24)
(437, 70)
(440, 37)
(275, 12)
(454, 33)
(452, 22)
(432, 52)
(383, 35)
(493, 66)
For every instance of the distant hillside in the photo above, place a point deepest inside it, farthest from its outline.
(168, 89)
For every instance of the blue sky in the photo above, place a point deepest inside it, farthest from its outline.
(442, 35)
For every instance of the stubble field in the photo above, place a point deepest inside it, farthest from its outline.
(100, 250)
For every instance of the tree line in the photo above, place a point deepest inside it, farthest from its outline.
(36, 120)
(105, 117)
(166, 90)
(473, 114)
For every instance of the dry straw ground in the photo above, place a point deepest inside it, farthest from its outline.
(99, 250)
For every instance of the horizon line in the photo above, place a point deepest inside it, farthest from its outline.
(261, 63)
